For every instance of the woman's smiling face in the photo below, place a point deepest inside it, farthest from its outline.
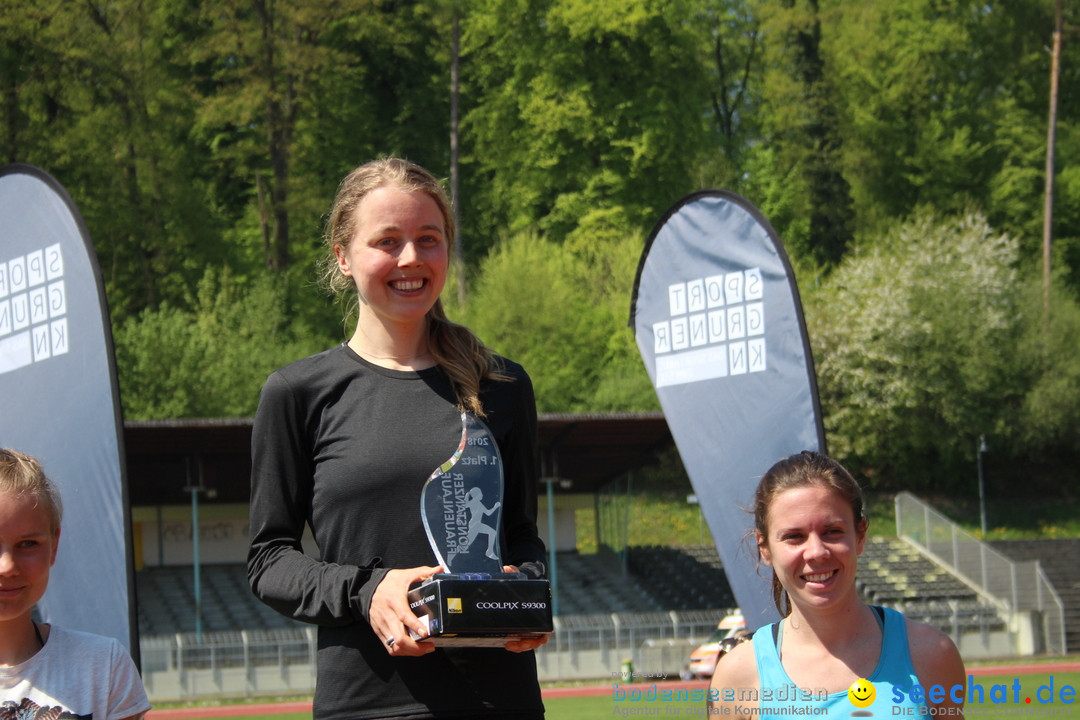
(398, 256)
(812, 544)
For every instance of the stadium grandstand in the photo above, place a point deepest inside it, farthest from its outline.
(647, 604)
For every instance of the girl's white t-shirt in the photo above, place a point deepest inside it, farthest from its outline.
(76, 675)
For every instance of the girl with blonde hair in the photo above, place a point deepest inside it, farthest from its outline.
(344, 441)
(47, 670)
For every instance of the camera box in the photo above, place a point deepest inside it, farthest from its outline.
(482, 611)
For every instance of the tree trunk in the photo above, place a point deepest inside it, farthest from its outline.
(1051, 134)
(459, 248)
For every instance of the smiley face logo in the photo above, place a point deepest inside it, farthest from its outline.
(862, 693)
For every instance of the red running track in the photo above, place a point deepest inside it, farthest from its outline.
(558, 692)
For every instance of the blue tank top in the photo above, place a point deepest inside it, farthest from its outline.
(779, 695)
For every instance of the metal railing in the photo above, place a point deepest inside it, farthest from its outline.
(1015, 587)
(627, 631)
(254, 663)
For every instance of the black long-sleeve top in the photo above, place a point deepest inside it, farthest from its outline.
(344, 447)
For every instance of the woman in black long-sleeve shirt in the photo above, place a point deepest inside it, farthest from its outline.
(343, 443)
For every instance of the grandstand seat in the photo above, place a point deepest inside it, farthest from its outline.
(681, 578)
(894, 574)
(166, 601)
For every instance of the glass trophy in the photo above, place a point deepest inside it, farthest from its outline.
(474, 602)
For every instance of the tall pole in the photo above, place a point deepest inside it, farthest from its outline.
(195, 486)
(554, 572)
(195, 561)
(1051, 136)
(982, 488)
(459, 250)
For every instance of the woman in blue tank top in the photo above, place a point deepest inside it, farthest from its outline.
(831, 655)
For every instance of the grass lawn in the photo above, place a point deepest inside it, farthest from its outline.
(1049, 693)
(666, 518)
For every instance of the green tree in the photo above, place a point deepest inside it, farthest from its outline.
(560, 311)
(925, 341)
(292, 97)
(212, 360)
(530, 303)
(258, 65)
(944, 105)
(90, 98)
(579, 112)
(803, 123)
(731, 54)
(607, 265)
(1051, 410)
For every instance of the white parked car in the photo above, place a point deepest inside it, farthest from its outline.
(729, 632)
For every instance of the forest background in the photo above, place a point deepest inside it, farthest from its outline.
(899, 148)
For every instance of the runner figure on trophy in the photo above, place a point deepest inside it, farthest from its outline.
(477, 526)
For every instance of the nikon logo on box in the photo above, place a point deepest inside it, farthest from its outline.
(482, 612)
